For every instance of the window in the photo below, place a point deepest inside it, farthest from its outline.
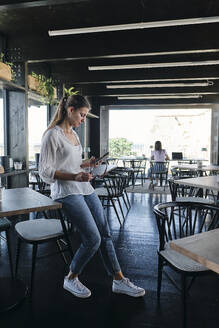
(178, 130)
(37, 124)
(1, 126)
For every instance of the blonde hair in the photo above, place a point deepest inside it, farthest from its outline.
(76, 101)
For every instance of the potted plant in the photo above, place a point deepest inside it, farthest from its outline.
(44, 86)
(6, 69)
(70, 91)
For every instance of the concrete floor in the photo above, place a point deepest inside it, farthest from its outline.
(136, 244)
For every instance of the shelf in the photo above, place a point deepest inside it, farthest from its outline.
(11, 86)
(35, 99)
(12, 172)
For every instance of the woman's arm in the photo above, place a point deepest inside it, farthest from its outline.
(166, 156)
(81, 177)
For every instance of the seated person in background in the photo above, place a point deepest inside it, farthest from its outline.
(158, 155)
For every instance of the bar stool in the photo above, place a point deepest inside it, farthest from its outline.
(39, 231)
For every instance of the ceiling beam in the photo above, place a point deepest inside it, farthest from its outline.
(43, 48)
(75, 75)
(114, 101)
(20, 4)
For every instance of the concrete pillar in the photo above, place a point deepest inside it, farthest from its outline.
(104, 129)
(215, 134)
(95, 130)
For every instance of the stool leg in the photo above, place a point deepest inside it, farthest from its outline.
(34, 253)
(9, 253)
(17, 255)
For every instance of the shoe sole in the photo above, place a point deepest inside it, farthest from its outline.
(77, 294)
(129, 293)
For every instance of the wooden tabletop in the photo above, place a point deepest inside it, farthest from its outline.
(24, 200)
(193, 167)
(202, 248)
(189, 160)
(209, 182)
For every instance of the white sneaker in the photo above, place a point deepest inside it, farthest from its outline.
(125, 286)
(75, 287)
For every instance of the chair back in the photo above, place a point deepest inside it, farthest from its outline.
(178, 190)
(42, 186)
(125, 172)
(159, 167)
(183, 173)
(181, 219)
(115, 184)
(138, 164)
(112, 161)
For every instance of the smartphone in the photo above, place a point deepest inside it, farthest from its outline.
(102, 157)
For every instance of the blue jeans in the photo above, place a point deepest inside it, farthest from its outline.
(86, 214)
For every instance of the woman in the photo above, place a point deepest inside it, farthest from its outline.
(159, 156)
(61, 165)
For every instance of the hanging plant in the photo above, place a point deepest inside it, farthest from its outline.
(7, 71)
(70, 92)
(45, 86)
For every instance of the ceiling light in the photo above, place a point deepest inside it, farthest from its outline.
(150, 80)
(161, 53)
(159, 85)
(154, 65)
(134, 26)
(159, 97)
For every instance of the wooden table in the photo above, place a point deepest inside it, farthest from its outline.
(193, 167)
(202, 248)
(189, 160)
(209, 182)
(15, 202)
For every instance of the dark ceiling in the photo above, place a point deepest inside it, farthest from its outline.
(26, 23)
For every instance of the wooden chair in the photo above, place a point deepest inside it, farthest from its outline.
(42, 187)
(137, 170)
(127, 174)
(111, 193)
(177, 220)
(159, 171)
(182, 193)
(112, 161)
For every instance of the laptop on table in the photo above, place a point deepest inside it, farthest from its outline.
(177, 155)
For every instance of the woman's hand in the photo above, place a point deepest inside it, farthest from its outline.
(83, 177)
(90, 163)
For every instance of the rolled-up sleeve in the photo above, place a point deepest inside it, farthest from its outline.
(47, 161)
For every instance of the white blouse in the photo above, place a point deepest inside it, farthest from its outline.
(159, 155)
(58, 154)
